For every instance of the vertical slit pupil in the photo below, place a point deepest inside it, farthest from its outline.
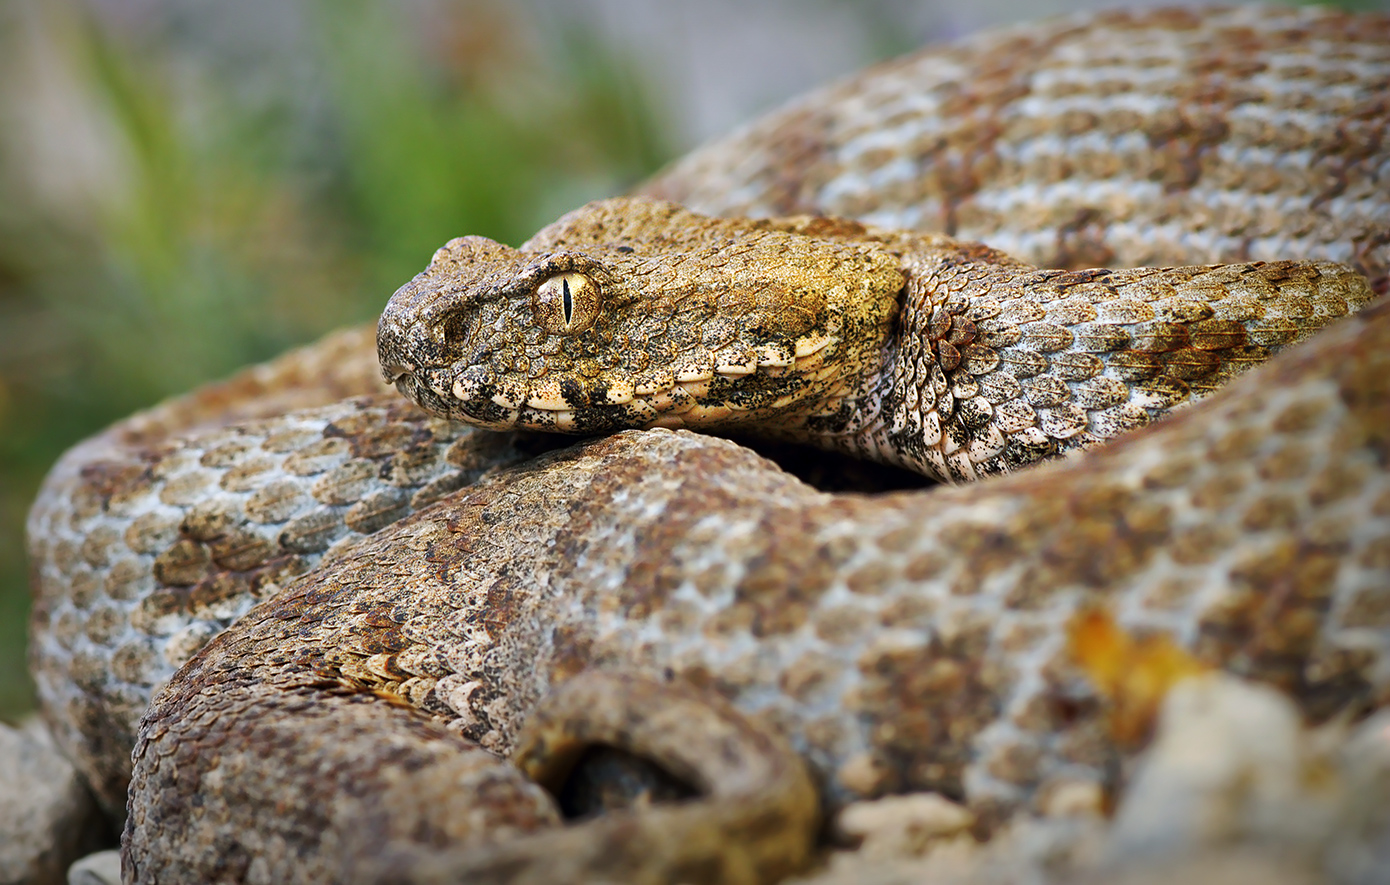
(569, 304)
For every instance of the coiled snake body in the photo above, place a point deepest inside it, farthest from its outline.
(424, 606)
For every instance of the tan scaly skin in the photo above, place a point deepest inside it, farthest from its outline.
(415, 600)
(916, 350)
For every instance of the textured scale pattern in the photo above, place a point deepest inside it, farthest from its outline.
(1004, 366)
(948, 358)
(902, 642)
(161, 546)
(345, 727)
(1120, 139)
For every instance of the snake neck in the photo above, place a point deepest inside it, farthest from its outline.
(993, 365)
(935, 414)
(917, 402)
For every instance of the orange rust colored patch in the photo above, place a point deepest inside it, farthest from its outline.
(1135, 675)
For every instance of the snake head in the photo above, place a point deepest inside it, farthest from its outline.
(628, 313)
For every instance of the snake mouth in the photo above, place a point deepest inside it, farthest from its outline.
(407, 384)
(394, 373)
(478, 397)
(725, 395)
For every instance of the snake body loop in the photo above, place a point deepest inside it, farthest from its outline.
(318, 619)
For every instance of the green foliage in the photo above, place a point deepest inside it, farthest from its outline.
(234, 228)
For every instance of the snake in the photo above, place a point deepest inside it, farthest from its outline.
(313, 630)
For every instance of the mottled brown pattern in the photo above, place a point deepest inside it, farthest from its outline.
(681, 599)
(970, 694)
(1120, 139)
(181, 538)
(948, 358)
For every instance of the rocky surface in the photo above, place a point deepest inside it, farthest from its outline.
(47, 817)
(1234, 790)
(100, 868)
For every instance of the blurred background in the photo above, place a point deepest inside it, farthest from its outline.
(187, 186)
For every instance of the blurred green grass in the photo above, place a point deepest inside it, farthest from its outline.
(236, 225)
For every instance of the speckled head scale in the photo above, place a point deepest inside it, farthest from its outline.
(459, 336)
(631, 313)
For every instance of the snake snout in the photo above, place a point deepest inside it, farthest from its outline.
(394, 372)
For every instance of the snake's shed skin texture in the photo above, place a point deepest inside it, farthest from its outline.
(1253, 527)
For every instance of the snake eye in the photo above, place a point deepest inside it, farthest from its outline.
(567, 303)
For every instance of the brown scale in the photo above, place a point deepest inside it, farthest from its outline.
(354, 719)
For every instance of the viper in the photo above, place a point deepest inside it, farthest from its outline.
(324, 635)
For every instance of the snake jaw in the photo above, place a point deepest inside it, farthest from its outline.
(393, 373)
